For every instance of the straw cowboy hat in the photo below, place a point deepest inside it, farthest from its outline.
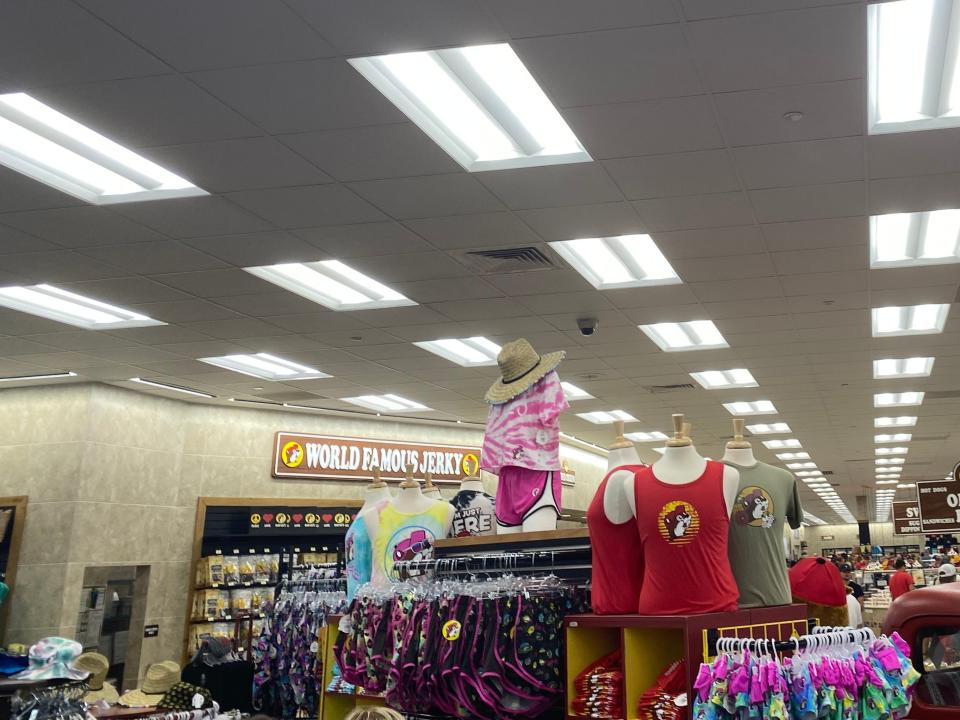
(160, 677)
(520, 367)
(98, 666)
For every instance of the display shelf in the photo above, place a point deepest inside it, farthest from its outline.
(500, 542)
(236, 586)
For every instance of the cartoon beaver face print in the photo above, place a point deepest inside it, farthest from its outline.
(754, 507)
(679, 522)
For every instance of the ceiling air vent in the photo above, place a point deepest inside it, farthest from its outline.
(942, 394)
(506, 260)
(679, 387)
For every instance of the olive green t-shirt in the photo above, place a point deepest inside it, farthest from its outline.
(766, 497)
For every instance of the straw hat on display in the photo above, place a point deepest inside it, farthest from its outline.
(520, 367)
(159, 679)
(98, 666)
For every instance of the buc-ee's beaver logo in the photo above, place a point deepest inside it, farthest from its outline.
(292, 454)
(470, 464)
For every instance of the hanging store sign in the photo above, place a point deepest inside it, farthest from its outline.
(940, 504)
(906, 518)
(324, 457)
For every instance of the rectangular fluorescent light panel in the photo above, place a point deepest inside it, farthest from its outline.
(63, 306)
(802, 465)
(625, 261)
(601, 417)
(912, 239)
(781, 444)
(386, 403)
(891, 461)
(684, 336)
(893, 437)
(49, 147)
(913, 81)
(48, 376)
(721, 379)
(901, 421)
(902, 368)
(466, 352)
(909, 320)
(572, 392)
(902, 399)
(641, 437)
(174, 388)
(265, 367)
(888, 476)
(812, 519)
(891, 450)
(331, 284)
(810, 476)
(794, 455)
(479, 103)
(766, 428)
(906, 486)
(754, 407)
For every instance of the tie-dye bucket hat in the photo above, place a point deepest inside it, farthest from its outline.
(52, 659)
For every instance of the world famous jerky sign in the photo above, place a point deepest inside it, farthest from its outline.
(940, 504)
(326, 457)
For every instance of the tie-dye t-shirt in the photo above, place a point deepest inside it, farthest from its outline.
(525, 431)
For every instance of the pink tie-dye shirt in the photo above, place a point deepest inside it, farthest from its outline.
(525, 432)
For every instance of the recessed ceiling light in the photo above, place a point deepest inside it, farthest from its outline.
(168, 386)
(902, 399)
(909, 320)
(624, 261)
(478, 103)
(888, 481)
(63, 306)
(49, 147)
(810, 476)
(765, 428)
(47, 376)
(802, 465)
(265, 367)
(386, 403)
(685, 336)
(572, 392)
(794, 456)
(781, 444)
(913, 83)
(891, 450)
(654, 436)
(902, 368)
(892, 469)
(721, 379)
(890, 461)
(900, 421)
(894, 437)
(755, 407)
(911, 239)
(468, 352)
(813, 519)
(331, 284)
(905, 486)
(887, 476)
(818, 486)
(600, 417)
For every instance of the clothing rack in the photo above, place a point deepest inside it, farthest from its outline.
(817, 635)
(567, 563)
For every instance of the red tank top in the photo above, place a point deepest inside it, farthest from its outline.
(683, 530)
(617, 557)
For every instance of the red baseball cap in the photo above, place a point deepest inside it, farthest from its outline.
(817, 581)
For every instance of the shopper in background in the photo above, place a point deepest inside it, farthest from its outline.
(947, 574)
(846, 570)
(901, 582)
(854, 613)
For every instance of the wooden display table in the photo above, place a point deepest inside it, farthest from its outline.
(649, 643)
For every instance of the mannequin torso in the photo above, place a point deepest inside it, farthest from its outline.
(681, 466)
(740, 456)
(617, 457)
(471, 484)
(373, 496)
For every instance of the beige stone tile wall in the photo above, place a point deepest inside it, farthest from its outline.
(114, 476)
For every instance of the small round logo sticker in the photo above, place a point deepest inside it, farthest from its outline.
(470, 464)
(292, 454)
(451, 630)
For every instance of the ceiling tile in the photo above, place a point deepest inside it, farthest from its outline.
(373, 153)
(710, 242)
(811, 234)
(414, 25)
(58, 267)
(540, 282)
(220, 33)
(913, 153)
(444, 289)
(788, 48)
(216, 283)
(428, 196)
(154, 257)
(654, 297)
(724, 268)
(241, 164)
(474, 231)
(79, 227)
(325, 321)
(851, 257)
(809, 202)
(265, 248)
(701, 9)
(801, 163)
(756, 117)
(552, 185)
(410, 267)
(487, 309)
(14, 241)
(86, 49)
(270, 304)
(824, 283)
(695, 211)
(646, 128)
(554, 17)
(18, 192)
(575, 221)
(771, 305)
(299, 207)
(179, 311)
(300, 96)
(235, 328)
(584, 302)
(400, 317)
(82, 340)
(914, 194)
(126, 290)
(611, 66)
(149, 111)
(727, 290)
(363, 240)
(654, 176)
(160, 334)
(194, 217)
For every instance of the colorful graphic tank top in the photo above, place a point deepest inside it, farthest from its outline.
(684, 530)
(407, 536)
(472, 514)
(358, 551)
(525, 431)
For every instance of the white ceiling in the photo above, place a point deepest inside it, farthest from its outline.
(681, 102)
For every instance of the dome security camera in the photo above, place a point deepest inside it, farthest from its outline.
(588, 326)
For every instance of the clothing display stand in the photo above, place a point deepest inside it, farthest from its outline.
(650, 642)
